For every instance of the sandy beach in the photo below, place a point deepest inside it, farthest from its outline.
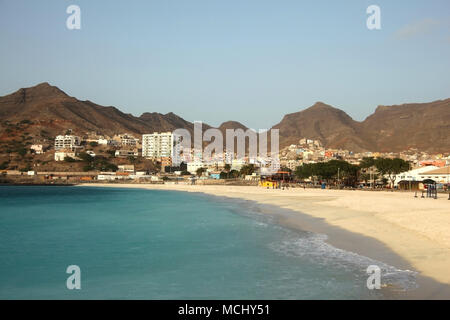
(393, 227)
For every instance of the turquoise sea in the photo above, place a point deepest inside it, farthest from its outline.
(145, 244)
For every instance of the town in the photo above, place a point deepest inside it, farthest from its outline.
(69, 159)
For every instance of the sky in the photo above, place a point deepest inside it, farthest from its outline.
(251, 61)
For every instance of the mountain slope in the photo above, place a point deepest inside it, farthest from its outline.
(165, 122)
(333, 127)
(55, 111)
(424, 126)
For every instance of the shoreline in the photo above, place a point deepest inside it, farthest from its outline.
(366, 230)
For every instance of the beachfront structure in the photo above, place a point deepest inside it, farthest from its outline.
(67, 142)
(413, 175)
(439, 175)
(159, 145)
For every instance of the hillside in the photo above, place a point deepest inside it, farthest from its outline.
(424, 126)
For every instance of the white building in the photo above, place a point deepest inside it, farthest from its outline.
(107, 142)
(126, 168)
(439, 175)
(106, 176)
(126, 153)
(67, 142)
(62, 154)
(237, 164)
(126, 140)
(192, 167)
(413, 175)
(38, 148)
(159, 145)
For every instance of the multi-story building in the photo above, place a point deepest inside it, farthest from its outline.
(126, 140)
(67, 142)
(159, 145)
(108, 142)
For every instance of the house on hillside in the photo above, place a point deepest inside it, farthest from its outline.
(61, 155)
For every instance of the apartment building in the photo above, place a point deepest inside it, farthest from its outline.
(67, 142)
(126, 140)
(159, 145)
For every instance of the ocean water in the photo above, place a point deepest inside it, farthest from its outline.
(151, 244)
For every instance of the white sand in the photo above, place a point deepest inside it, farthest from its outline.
(418, 230)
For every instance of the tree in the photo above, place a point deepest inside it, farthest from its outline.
(391, 167)
(247, 169)
(329, 171)
(234, 173)
(85, 157)
(365, 177)
(4, 165)
(22, 151)
(88, 167)
(69, 159)
(111, 153)
(227, 169)
(285, 169)
(304, 171)
(367, 162)
(200, 171)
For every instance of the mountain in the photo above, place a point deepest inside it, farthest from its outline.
(56, 111)
(333, 127)
(165, 122)
(233, 125)
(53, 110)
(424, 126)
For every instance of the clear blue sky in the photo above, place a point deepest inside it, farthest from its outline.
(246, 60)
